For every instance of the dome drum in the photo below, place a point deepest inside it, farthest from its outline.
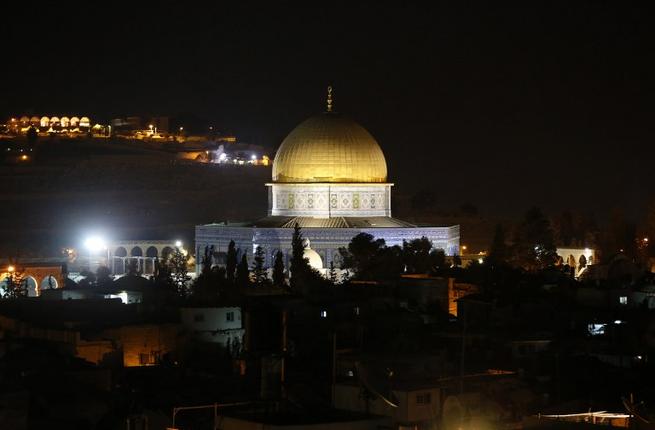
(328, 200)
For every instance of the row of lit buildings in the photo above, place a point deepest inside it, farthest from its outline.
(49, 123)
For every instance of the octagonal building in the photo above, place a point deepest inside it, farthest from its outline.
(330, 178)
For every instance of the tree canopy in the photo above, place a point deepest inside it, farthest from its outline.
(534, 242)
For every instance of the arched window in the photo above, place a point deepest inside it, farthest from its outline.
(120, 252)
(166, 251)
(32, 286)
(65, 122)
(151, 252)
(49, 283)
(75, 121)
(136, 252)
(45, 121)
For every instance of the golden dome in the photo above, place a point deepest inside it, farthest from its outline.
(329, 148)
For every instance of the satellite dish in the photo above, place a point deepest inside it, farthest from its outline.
(377, 383)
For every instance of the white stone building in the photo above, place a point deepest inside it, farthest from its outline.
(214, 325)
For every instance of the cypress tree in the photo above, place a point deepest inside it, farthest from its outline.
(299, 264)
(231, 263)
(207, 260)
(333, 273)
(243, 274)
(278, 270)
(261, 276)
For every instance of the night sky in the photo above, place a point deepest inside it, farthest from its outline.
(501, 106)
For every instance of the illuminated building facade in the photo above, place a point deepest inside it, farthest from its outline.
(37, 276)
(577, 258)
(330, 178)
(49, 124)
(143, 254)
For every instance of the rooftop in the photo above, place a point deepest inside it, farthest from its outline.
(334, 222)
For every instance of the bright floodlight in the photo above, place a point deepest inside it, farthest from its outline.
(254, 157)
(178, 243)
(95, 244)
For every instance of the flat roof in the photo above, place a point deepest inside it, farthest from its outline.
(333, 222)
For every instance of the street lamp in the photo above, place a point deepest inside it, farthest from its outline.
(95, 245)
(11, 269)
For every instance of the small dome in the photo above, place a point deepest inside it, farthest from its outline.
(329, 148)
(315, 260)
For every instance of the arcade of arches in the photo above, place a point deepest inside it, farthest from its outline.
(577, 258)
(40, 276)
(142, 254)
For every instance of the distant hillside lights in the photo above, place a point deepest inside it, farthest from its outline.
(53, 124)
(223, 158)
(238, 157)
